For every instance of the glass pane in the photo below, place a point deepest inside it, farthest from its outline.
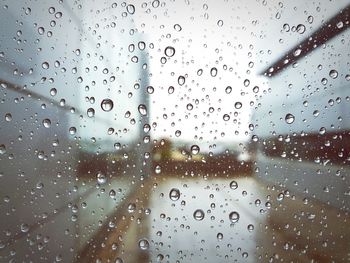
(174, 131)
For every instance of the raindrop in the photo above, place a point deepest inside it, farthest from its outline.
(101, 178)
(171, 90)
(198, 215)
(189, 106)
(238, 105)
(213, 72)
(289, 118)
(195, 149)
(234, 217)
(226, 117)
(169, 51)
(90, 112)
(24, 228)
(45, 65)
(2, 149)
(333, 74)
(107, 105)
(130, 9)
(220, 23)
(177, 27)
(181, 80)
(158, 169)
(112, 193)
(250, 227)
(143, 244)
(142, 109)
(219, 236)
(177, 133)
(228, 89)
(47, 123)
(234, 185)
(301, 28)
(174, 194)
(8, 117)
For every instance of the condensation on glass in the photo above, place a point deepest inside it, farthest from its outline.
(175, 131)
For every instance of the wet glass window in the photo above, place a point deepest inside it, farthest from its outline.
(175, 131)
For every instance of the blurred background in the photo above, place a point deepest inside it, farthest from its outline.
(175, 131)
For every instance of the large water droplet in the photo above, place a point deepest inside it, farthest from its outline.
(238, 105)
(289, 118)
(107, 105)
(198, 215)
(130, 9)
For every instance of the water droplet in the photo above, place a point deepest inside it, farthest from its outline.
(177, 27)
(90, 112)
(174, 194)
(47, 123)
(234, 185)
(234, 217)
(316, 113)
(238, 105)
(131, 207)
(150, 90)
(289, 118)
(101, 178)
(181, 80)
(41, 30)
(213, 72)
(177, 133)
(2, 149)
(142, 109)
(72, 130)
(130, 9)
(143, 244)
(226, 117)
(189, 106)
(301, 28)
(45, 65)
(250, 227)
(107, 105)
(219, 236)
(24, 228)
(220, 23)
(112, 193)
(171, 90)
(53, 92)
(158, 169)
(228, 89)
(169, 51)
(333, 74)
(195, 149)
(198, 215)
(8, 117)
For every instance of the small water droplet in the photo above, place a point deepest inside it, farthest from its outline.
(2, 149)
(219, 236)
(301, 28)
(228, 89)
(24, 228)
(226, 117)
(177, 27)
(90, 112)
(220, 23)
(158, 169)
(8, 117)
(45, 65)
